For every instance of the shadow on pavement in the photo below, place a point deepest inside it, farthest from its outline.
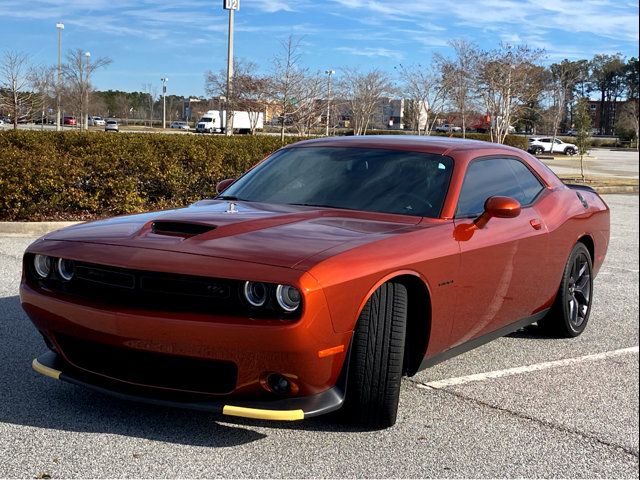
(33, 400)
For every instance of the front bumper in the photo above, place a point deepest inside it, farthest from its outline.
(287, 409)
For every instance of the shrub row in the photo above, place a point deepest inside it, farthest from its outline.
(71, 175)
(518, 141)
(64, 176)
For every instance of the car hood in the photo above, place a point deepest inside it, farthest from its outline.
(279, 235)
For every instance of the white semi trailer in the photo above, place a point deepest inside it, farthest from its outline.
(215, 121)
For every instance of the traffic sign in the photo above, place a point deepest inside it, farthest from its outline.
(231, 4)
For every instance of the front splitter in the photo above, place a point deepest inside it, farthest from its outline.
(52, 365)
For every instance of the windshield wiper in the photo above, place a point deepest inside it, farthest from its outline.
(227, 197)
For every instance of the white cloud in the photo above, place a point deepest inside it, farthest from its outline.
(372, 52)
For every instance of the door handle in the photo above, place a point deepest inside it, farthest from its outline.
(536, 223)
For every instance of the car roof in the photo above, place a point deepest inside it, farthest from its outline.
(428, 144)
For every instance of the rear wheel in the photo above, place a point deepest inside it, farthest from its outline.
(538, 150)
(570, 313)
(377, 352)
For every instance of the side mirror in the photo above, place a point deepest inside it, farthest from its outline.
(224, 184)
(498, 207)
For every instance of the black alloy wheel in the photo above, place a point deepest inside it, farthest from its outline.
(570, 313)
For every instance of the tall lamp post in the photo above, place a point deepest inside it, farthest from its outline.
(232, 6)
(164, 81)
(59, 27)
(329, 73)
(86, 92)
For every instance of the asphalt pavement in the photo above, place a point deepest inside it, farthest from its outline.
(571, 410)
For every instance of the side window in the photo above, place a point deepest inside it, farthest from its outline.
(496, 176)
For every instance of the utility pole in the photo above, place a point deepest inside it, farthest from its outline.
(86, 92)
(59, 27)
(164, 102)
(329, 73)
(232, 6)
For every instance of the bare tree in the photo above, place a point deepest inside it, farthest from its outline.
(78, 72)
(583, 129)
(562, 79)
(288, 81)
(250, 91)
(426, 92)
(14, 81)
(508, 80)
(458, 76)
(41, 79)
(310, 105)
(151, 94)
(364, 92)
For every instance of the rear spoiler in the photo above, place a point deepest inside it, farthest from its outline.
(577, 186)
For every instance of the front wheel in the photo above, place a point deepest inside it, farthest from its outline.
(570, 151)
(570, 313)
(377, 352)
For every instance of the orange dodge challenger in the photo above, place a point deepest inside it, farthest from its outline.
(318, 278)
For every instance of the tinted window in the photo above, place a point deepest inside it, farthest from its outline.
(496, 176)
(375, 180)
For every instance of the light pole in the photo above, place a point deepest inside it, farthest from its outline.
(59, 27)
(329, 73)
(86, 92)
(232, 6)
(164, 81)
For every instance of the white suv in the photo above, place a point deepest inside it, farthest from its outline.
(96, 121)
(538, 145)
(447, 127)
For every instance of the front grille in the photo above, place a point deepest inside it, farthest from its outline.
(150, 368)
(155, 291)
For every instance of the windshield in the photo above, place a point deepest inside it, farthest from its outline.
(206, 119)
(374, 180)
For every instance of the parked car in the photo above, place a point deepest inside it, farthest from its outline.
(538, 145)
(96, 121)
(447, 127)
(317, 279)
(70, 121)
(111, 126)
(44, 120)
(182, 125)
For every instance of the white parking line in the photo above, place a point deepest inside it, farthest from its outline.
(478, 377)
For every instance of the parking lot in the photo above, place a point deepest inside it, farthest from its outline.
(522, 406)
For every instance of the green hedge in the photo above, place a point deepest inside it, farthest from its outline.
(60, 176)
(74, 175)
(518, 141)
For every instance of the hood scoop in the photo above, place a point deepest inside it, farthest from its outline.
(179, 229)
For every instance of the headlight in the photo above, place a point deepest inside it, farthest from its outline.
(255, 293)
(42, 265)
(288, 297)
(65, 269)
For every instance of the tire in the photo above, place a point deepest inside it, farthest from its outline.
(538, 150)
(377, 352)
(570, 313)
(569, 151)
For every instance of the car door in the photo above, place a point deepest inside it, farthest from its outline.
(558, 147)
(499, 262)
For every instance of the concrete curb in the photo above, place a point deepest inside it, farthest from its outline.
(40, 228)
(31, 228)
(604, 190)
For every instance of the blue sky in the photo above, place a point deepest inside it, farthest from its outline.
(182, 39)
